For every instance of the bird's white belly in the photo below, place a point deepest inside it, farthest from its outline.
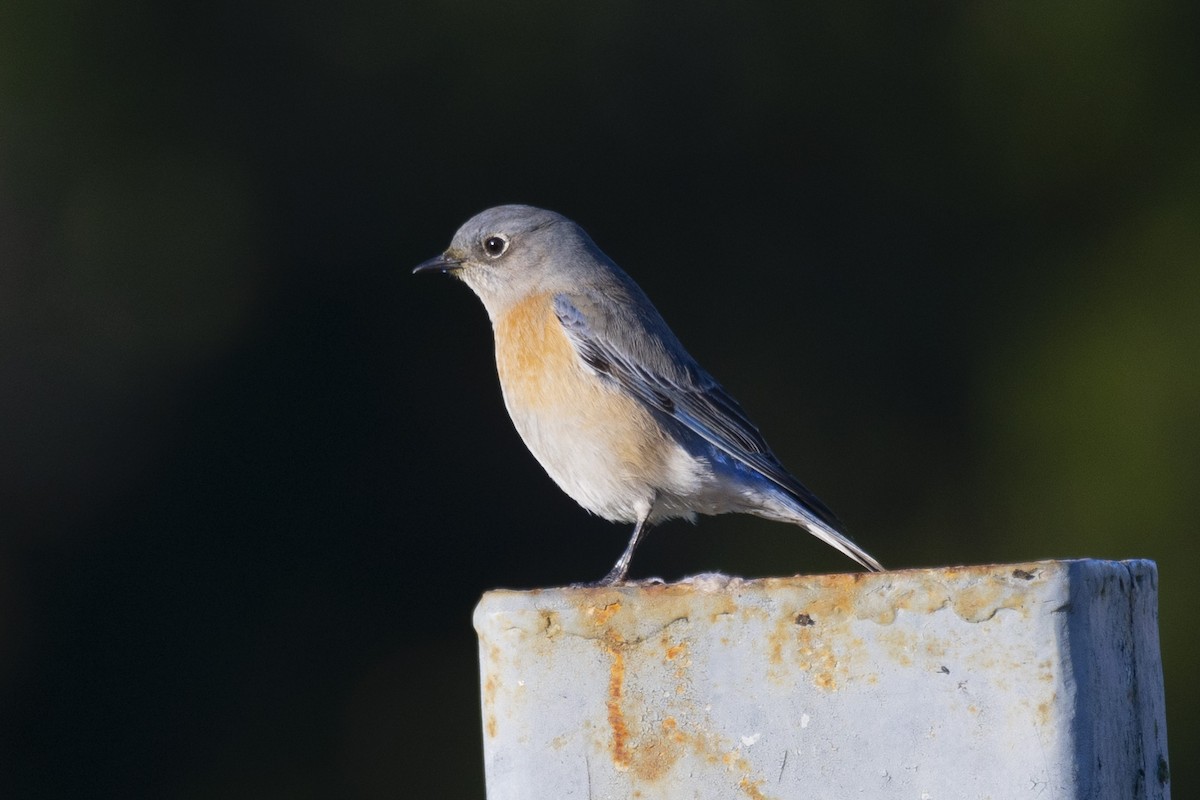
(614, 463)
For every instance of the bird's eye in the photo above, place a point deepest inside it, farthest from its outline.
(495, 246)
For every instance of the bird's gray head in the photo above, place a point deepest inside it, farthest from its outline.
(508, 253)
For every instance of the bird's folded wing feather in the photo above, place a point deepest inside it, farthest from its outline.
(653, 368)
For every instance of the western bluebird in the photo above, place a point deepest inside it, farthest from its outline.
(605, 396)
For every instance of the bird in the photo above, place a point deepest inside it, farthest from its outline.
(605, 396)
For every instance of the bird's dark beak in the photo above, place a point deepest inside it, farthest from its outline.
(442, 263)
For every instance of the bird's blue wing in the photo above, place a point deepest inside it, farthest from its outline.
(665, 379)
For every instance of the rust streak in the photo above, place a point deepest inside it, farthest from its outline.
(616, 717)
(489, 701)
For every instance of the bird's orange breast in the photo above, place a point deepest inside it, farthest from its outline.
(598, 443)
(538, 367)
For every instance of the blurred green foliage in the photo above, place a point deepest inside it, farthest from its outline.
(252, 477)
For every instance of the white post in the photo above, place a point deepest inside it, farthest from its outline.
(1038, 680)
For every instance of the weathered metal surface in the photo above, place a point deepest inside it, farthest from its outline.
(1030, 680)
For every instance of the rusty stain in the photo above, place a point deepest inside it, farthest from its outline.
(707, 746)
(775, 656)
(489, 702)
(825, 680)
(650, 752)
(936, 646)
(832, 602)
(899, 645)
(655, 758)
(813, 653)
(602, 614)
(751, 788)
(735, 761)
(1045, 710)
(752, 612)
(981, 594)
(647, 757)
(678, 653)
(980, 601)
(724, 608)
(815, 629)
(616, 717)
(601, 611)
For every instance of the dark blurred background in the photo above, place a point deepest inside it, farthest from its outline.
(254, 475)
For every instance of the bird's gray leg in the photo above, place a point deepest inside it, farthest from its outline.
(617, 573)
